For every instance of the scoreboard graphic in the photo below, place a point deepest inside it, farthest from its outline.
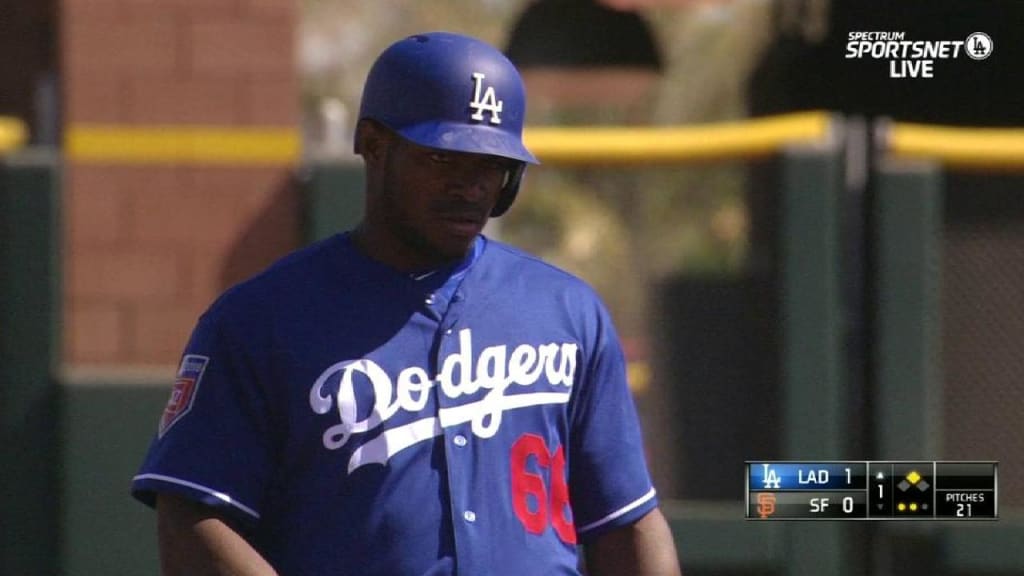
(872, 490)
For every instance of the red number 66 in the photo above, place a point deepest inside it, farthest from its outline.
(553, 507)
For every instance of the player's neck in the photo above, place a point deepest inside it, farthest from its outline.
(394, 253)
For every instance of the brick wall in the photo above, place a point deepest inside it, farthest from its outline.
(149, 245)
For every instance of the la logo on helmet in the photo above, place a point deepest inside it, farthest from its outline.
(488, 102)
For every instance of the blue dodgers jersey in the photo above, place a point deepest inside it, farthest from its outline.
(355, 420)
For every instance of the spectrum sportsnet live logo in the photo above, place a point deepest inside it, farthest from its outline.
(914, 58)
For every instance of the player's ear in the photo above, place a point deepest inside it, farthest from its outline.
(372, 140)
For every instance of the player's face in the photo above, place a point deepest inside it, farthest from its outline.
(436, 202)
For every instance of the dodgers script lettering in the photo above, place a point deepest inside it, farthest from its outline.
(462, 374)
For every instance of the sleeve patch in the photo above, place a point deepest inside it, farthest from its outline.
(190, 373)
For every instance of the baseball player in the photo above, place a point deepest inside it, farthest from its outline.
(410, 397)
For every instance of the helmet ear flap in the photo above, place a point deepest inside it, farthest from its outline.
(509, 191)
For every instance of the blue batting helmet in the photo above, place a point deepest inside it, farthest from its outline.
(451, 92)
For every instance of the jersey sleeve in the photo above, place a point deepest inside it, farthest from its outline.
(610, 485)
(213, 440)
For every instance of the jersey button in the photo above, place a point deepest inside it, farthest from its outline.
(469, 516)
(460, 440)
(429, 300)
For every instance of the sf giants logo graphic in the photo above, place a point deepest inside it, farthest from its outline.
(494, 370)
(488, 101)
(765, 504)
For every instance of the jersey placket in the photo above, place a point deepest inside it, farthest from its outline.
(458, 438)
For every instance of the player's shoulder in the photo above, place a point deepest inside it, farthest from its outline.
(510, 264)
(286, 279)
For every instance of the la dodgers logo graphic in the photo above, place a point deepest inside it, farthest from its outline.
(495, 369)
(488, 101)
(979, 46)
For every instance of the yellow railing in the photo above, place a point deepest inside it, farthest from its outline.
(958, 147)
(673, 144)
(94, 143)
(13, 134)
(611, 145)
(236, 145)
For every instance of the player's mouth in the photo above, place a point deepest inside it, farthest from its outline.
(462, 223)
